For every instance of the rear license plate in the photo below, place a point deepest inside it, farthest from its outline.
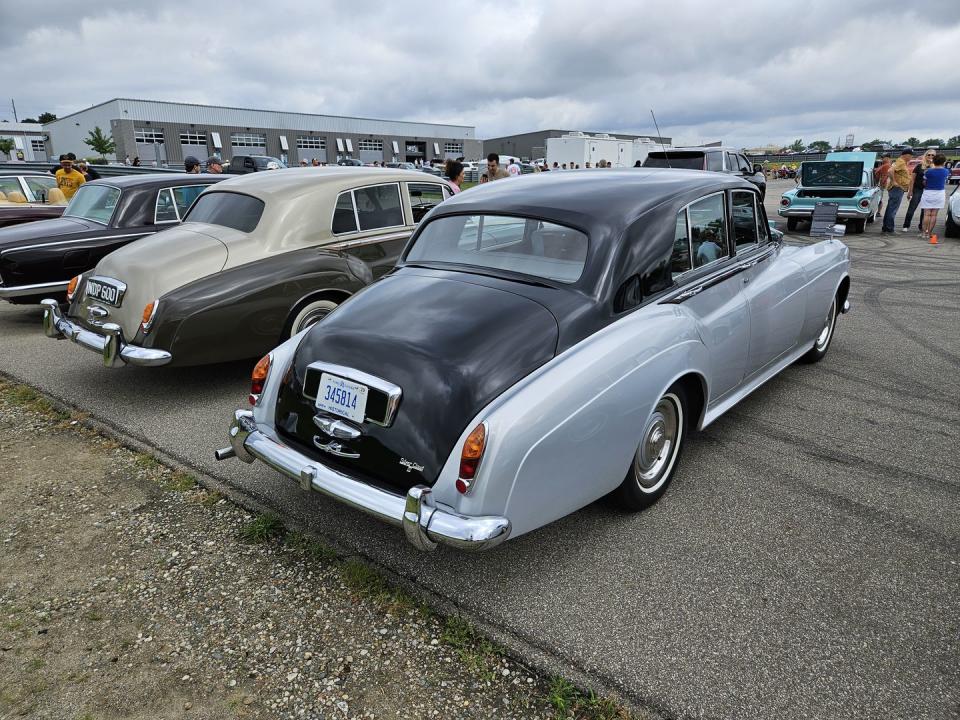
(342, 397)
(103, 292)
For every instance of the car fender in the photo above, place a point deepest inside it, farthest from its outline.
(565, 435)
(825, 264)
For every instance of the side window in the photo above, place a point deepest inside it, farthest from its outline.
(708, 230)
(184, 196)
(732, 164)
(423, 198)
(745, 164)
(40, 187)
(715, 161)
(166, 209)
(344, 219)
(680, 258)
(10, 185)
(745, 219)
(379, 207)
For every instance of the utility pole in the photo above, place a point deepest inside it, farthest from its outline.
(14, 105)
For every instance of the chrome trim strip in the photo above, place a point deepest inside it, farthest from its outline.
(369, 241)
(424, 524)
(21, 290)
(110, 345)
(393, 392)
(76, 240)
(685, 293)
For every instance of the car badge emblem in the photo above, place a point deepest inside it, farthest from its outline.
(410, 465)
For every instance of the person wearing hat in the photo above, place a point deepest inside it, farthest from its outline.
(898, 185)
(191, 164)
(68, 177)
(215, 165)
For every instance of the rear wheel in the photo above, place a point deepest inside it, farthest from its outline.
(857, 226)
(822, 343)
(307, 313)
(655, 458)
(792, 224)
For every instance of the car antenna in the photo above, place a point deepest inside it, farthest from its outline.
(660, 138)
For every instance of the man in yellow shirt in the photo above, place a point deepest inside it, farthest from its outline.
(899, 182)
(68, 177)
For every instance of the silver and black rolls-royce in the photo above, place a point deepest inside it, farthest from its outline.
(542, 342)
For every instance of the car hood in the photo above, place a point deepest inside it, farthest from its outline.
(450, 344)
(153, 266)
(41, 231)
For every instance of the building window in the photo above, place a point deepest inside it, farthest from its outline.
(193, 138)
(37, 146)
(311, 143)
(248, 140)
(456, 148)
(148, 136)
(376, 145)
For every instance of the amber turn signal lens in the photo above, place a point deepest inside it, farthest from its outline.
(72, 287)
(149, 311)
(258, 378)
(470, 456)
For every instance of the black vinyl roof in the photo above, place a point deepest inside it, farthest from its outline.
(591, 200)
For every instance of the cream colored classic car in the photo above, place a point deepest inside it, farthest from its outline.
(257, 259)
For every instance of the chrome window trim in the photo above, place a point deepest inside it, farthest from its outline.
(180, 187)
(76, 240)
(36, 176)
(756, 221)
(686, 210)
(393, 392)
(369, 240)
(99, 222)
(156, 207)
(695, 285)
(356, 215)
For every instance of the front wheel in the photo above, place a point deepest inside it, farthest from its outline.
(822, 343)
(655, 458)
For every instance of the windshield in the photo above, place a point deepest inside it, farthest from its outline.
(264, 162)
(832, 172)
(512, 244)
(682, 160)
(232, 210)
(94, 202)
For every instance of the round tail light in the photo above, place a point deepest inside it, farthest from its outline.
(785, 201)
(865, 203)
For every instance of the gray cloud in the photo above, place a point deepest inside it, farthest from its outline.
(745, 72)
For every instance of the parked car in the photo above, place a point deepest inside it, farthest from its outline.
(350, 162)
(257, 259)
(952, 229)
(542, 343)
(845, 178)
(38, 259)
(714, 159)
(954, 178)
(25, 197)
(401, 165)
(244, 164)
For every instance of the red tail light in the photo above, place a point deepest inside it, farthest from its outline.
(470, 457)
(258, 378)
(865, 203)
(785, 201)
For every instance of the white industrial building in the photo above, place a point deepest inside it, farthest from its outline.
(166, 132)
(29, 141)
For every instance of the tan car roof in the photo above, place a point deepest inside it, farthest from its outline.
(293, 183)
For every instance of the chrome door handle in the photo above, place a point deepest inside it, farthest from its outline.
(746, 280)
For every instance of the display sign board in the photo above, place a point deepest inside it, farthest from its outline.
(824, 218)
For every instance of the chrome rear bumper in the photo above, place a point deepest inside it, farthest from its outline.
(110, 345)
(38, 289)
(424, 524)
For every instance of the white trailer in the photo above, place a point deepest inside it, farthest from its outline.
(579, 148)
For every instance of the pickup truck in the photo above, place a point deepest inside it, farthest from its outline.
(243, 164)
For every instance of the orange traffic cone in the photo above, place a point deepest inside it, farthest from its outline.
(933, 239)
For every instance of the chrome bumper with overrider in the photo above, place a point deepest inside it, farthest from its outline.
(424, 524)
(110, 345)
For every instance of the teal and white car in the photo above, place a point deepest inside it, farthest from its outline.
(845, 178)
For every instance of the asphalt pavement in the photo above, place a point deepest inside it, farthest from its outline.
(803, 564)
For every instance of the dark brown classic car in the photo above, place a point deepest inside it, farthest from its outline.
(38, 259)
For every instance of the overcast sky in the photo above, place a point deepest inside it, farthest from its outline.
(748, 73)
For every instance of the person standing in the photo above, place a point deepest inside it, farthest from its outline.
(136, 161)
(454, 171)
(214, 165)
(916, 190)
(513, 168)
(934, 193)
(191, 165)
(898, 185)
(880, 178)
(69, 179)
(494, 171)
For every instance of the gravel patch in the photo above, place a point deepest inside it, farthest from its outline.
(127, 590)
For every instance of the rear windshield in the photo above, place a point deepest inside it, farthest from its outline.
(681, 160)
(262, 162)
(832, 172)
(497, 242)
(94, 202)
(232, 210)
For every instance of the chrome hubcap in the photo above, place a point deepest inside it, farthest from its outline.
(824, 338)
(658, 448)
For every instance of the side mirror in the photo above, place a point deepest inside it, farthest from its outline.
(757, 168)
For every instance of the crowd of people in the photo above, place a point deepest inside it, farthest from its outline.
(924, 187)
